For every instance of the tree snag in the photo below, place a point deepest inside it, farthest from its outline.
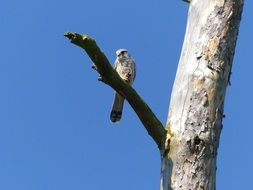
(196, 106)
(189, 142)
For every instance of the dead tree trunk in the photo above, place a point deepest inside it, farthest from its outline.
(189, 142)
(196, 108)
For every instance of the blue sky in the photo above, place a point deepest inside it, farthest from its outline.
(55, 132)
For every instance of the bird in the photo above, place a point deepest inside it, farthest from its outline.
(125, 67)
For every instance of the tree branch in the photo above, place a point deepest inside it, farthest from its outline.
(110, 77)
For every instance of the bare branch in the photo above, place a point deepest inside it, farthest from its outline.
(109, 76)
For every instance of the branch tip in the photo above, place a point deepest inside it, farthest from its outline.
(70, 35)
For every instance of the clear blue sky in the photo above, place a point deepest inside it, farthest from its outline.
(55, 132)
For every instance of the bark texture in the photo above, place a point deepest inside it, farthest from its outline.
(196, 108)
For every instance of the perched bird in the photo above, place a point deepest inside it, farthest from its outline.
(125, 67)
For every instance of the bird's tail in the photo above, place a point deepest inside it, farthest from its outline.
(117, 108)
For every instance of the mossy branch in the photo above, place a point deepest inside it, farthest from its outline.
(109, 76)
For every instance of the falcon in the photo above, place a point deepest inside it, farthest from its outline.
(125, 67)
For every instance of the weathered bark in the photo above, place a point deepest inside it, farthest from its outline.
(196, 107)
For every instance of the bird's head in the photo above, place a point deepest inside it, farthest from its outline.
(122, 53)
